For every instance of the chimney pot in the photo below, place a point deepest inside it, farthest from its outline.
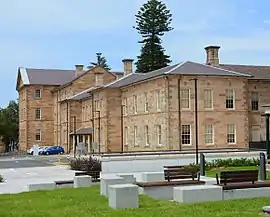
(79, 69)
(127, 66)
(212, 57)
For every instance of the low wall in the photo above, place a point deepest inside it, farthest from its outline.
(155, 163)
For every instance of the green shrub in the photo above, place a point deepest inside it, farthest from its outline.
(1, 178)
(232, 162)
(193, 166)
(229, 162)
(85, 164)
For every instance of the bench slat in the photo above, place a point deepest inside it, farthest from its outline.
(172, 183)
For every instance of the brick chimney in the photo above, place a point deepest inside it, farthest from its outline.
(79, 69)
(212, 55)
(98, 79)
(127, 66)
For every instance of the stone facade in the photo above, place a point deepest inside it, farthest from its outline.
(153, 114)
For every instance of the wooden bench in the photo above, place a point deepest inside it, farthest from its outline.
(172, 177)
(180, 173)
(240, 179)
(174, 167)
(94, 174)
(64, 182)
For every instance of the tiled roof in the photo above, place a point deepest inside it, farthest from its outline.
(49, 76)
(52, 76)
(258, 72)
(183, 68)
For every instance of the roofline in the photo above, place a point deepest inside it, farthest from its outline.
(178, 65)
(113, 82)
(226, 70)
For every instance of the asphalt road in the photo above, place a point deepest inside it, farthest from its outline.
(31, 161)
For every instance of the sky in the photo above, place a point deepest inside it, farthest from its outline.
(62, 33)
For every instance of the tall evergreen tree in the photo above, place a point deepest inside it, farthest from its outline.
(101, 61)
(153, 21)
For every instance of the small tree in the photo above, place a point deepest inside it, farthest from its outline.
(101, 61)
(153, 20)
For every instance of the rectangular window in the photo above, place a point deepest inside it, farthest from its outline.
(135, 136)
(158, 100)
(230, 98)
(254, 101)
(145, 102)
(125, 106)
(126, 135)
(38, 114)
(135, 104)
(186, 135)
(231, 134)
(159, 135)
(38, 94)
(208, 134)
(146, 134)
(208, 99)
(38, 135)
(185, 98)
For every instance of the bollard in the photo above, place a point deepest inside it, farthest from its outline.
(59, 158)
(202, 164)
(262, 167)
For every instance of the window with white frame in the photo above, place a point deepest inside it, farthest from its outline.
(125, 106)
(38, 135)
(230, 99)
(38, 113)
(158, 100)
(185, 98)
(208, 98)
(159, 138)
(146, 135)
(231, 134)
(254, 101)
(126, 135)
(146, 102)
(135, 135)
(186, 134)
(38, 94)
(209, 134)
(135, 104)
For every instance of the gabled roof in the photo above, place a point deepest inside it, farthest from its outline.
(258, 72)
(183, 68)
(82, 95)
(54, 77)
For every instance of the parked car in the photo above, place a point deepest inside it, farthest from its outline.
(52, 150)
(31, 150)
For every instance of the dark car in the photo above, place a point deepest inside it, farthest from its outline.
(53, 150)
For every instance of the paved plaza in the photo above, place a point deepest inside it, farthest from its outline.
(16, 179)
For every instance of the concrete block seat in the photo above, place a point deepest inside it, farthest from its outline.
(122, 196)
(198, 193)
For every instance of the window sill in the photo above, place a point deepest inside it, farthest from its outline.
(186, 145)
(210, 144)
(147, 145)
(136, 145)
(231, 143)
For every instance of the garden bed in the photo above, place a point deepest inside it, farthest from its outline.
(87, 202)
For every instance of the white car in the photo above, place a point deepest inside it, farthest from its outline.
(31, 150)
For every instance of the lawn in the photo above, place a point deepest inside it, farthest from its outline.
(86, 202)
(213, 172)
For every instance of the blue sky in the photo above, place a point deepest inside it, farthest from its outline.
(62, 33)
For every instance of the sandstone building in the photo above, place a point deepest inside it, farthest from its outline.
(119, 112)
